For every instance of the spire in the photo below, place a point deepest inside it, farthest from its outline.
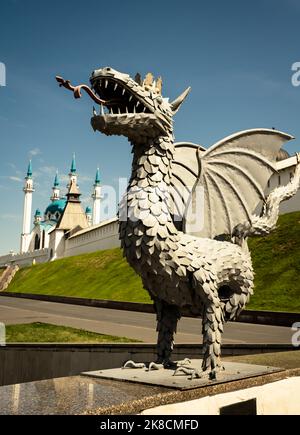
(26, 227)
(73, 214)
(97, 178)
(55, 189)
(56, 180)
(88, 213)
(37, 212)
(29, 170)
(73, 165)
(96, 195)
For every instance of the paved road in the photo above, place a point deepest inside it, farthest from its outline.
(130, 324)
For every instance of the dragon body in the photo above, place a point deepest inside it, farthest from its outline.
(196, 261)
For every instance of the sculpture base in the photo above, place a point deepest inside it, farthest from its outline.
(165, 377)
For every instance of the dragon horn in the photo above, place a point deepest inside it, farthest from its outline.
(179, 100)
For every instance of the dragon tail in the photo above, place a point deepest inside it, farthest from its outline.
(266, 222)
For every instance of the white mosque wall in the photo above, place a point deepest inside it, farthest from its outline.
(96, 238)
(42, 237)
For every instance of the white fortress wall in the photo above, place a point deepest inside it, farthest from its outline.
(286, 169)
(25, 259)
(99, 237)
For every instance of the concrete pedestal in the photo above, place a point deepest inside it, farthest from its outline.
(165, 377)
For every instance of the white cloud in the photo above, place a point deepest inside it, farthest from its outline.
(12, 178)
(35, 152)
(10, 216)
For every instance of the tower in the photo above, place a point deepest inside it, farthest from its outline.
(96, 195)
(28, 189)
(88, 213)
(55, 189)
(37, 217)
(72, 173)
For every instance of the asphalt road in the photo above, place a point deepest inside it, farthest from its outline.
(129, 324)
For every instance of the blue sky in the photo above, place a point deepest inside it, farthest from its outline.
(236, 55)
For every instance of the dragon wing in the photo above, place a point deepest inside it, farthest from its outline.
(229, 180)
(185, 173)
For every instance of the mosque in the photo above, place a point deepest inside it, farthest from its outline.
(65, 229)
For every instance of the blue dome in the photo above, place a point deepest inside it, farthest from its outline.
(56, 206)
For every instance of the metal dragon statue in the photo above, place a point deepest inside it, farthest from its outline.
(197, 261)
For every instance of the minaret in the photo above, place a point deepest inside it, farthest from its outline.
(96, 195)
(28, 189)
(37, 217)
(72, 173)
(88, 213)
(55, 189)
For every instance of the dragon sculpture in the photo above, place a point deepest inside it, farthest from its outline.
(196, 261)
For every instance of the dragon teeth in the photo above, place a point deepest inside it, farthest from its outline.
(130, 98)
(106, 83)
(126, 109)
(94, 111)
(116, 85)
(102, 110)
(123, 92)
(119, 111)
(137, 104)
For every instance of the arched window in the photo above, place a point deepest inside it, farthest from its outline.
(43, 240)
(37, 242)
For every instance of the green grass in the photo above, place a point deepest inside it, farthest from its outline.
(106, 274)
(99, 275)
(276, 261)
(46, 333)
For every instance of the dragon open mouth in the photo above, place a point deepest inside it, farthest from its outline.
(127, 107)
(119, 99)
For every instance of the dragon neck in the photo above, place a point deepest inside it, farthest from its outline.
(152, 163)
(148, 193)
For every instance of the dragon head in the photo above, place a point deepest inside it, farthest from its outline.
(132, 107)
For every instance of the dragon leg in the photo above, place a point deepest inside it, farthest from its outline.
(212, 328)
(167, 319)
(212, 321)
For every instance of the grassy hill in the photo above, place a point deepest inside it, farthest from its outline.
(106, 275)
(99, 275)
(276, 261)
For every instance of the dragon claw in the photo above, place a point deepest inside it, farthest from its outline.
(194, 373)
(133, 365)
(213, 373)
(155, 366)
